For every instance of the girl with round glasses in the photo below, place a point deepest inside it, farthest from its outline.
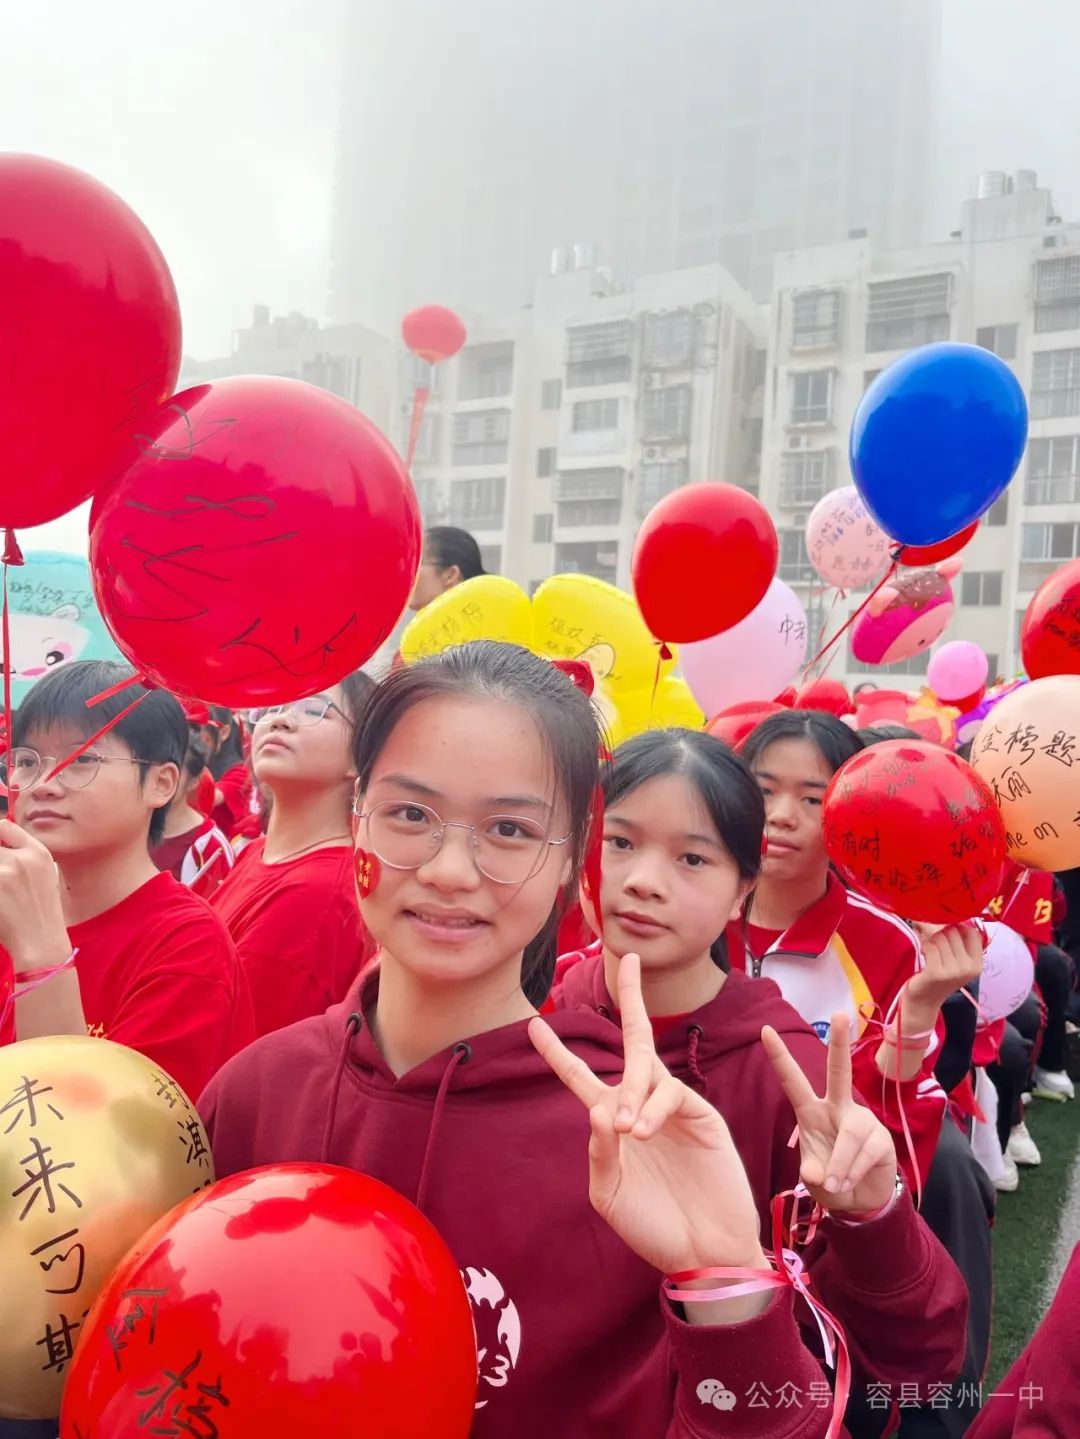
(290, 901)
(566, 1169)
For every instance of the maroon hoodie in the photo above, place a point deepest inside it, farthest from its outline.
(898, 1294)
(1039, 1398)
(574, 1339)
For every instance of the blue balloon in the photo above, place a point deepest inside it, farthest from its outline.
(935, 440)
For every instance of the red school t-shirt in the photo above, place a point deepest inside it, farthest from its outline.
(159, 973)
(297, 929)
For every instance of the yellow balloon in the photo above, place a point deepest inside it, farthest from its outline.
(96, 1144)
(673, 707)
(580, 617)
(488, 607)
(1028, 751)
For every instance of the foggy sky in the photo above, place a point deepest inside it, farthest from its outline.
(216, 121)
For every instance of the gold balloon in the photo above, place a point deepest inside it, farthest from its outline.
(96, 1143)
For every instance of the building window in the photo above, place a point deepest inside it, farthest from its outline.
(589, 415)
(998, 513)
(1055, 384)
(665, 413)
(428, 498)
(612, 371)
(610, 340)
(542, 529)
(916, 665)
(981, 587)
(657, 479)
(545, 462)
(588, 557)
(805, 476)
(815, 319)
(491, 558)
(589, 512)
(993, 662)
(423, 376)
(486, 372)
(903, 313)
(481, 438)
(1050, 542)
(811, 397)
(477, 504)
(1053, 471)
(794, 566)
(999, 340)
(1057, 294)
(668, 340)
(604, 484)
(551, 394)
(868, 378)
(427, 442)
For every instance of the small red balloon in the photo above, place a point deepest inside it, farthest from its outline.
(733, 724)
(260, 545)
(433, 333)
(1050, 633)
(915, 555)
(300, 1299)
(703, 559)
(825, 694)
(90, 334)
(915, 829)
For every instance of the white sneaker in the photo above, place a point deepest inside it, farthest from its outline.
(1009, 1178)
(1021, 1148)
(1026, 1098)
(1053, 1084)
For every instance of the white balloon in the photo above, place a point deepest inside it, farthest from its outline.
(755, 659)
(1008, 972)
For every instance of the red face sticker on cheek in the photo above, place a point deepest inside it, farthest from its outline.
(368, 870)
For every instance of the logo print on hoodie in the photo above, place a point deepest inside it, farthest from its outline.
(498, 1328)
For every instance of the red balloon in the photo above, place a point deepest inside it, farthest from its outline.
(433, 333)
(90, 334)
(295, 1300)
(1050, 633)
(825, 694)
(914, 555)
(913, 827)
(260, 545)
(703, 559)
(733, 724)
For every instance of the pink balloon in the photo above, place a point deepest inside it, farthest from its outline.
(905, 616)
(1008, 973)
(957, 670)
(754, 659)
(845, 544)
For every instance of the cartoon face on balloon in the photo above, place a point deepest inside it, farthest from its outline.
(906, 616)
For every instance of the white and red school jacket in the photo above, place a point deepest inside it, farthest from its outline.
(847, 955)
(208, 860)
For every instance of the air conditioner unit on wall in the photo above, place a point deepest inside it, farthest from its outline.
(795, 442)
(651, 452)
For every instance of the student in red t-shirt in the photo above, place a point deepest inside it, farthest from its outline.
(290, 903)
(153, 968)
(192, 848)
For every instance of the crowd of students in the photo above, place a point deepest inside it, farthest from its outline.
(335, 921)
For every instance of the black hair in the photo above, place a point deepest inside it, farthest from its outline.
(446, 545)
(879, 733)
(156, 730)
(487, 669)
(357, 690)
(720, 777)
(197, 756)
(833, 739)
(231, 752)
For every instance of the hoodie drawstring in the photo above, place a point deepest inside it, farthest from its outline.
(692, 1056)
(461, 1054)
(352, 1029)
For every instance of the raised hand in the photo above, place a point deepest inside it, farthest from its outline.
(953, 956)
(847, 1157)
(663, 1170)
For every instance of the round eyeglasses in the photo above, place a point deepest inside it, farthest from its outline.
(508, 849)
(22, 769)
(303, 713)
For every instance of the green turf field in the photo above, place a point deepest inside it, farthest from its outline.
(1026, 1232)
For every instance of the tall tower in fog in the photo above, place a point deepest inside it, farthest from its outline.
(476, 136)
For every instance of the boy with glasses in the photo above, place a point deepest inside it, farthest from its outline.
(99, 940)
(290, 902)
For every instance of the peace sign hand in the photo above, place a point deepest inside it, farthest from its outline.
(848, 1161)
(663, 1170)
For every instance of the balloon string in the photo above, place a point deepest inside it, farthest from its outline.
(419, 405)
(12, 556)
(98, 734)
(118, 688)
(828, 645)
